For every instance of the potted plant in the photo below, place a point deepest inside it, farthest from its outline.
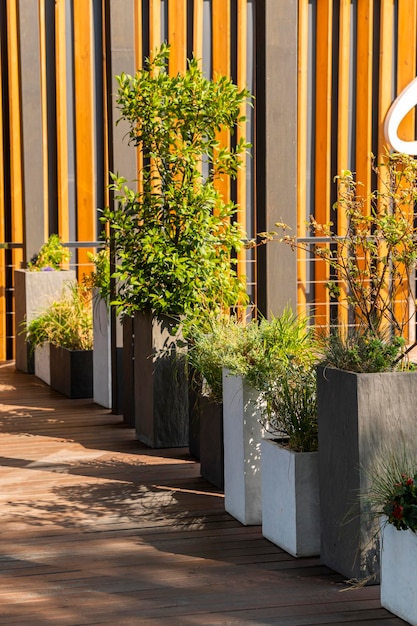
(208, 345)
(34, 287)
(289, 459)
(175, 236)
(98, 281)
(393, 500)
(67, 326)
(365, 389)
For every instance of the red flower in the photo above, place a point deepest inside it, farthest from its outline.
(409, 481)
(397, 510)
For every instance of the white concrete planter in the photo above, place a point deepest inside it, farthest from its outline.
(398, 572)
(242, 450)
(34, 292)
(43, 362)
(290, 499)
(102, 381)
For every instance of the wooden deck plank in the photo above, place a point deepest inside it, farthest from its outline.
(98, 529)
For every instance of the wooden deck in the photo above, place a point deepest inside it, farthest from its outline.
(97, 529)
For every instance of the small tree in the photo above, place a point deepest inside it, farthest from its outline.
(174, 238)
(372, 261)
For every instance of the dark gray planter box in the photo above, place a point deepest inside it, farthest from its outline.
(34, 292)
(127, 366)
(161, 387)
(72, 372)
(361, 416)
(211, 442)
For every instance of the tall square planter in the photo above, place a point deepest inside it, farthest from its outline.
(242, 450)
(211, 442)
(290, 499)
(102, 379)
(398, 572)
(359, 417)
(161, 386)
(33, 292)
(72, 372)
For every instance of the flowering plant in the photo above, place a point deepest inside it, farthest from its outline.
(393, 490)
(401, 507)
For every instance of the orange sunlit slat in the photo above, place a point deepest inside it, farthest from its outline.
(406, 71)
(364, 103)
(386, 43)
(221, 65)
(84, 127)
(241, 130)
(15, 131)
(323, 143)
(3, 355)
(406, 67)
(154, 25)
(302, 97)
(177, 36)
(198, 29)
(61, 116)
(343, 118)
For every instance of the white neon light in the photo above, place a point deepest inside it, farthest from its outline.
(397, 112)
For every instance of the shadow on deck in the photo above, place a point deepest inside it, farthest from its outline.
(98, 529)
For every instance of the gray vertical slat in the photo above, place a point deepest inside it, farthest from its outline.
(31, 103)
(277, 183)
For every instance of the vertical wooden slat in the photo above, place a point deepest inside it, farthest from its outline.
(138, 34)
(302, 98)
(42, 40)
(15, 132)
(323, 143)
(406, 68)
(62, 119)
(2, 236)
(84, 126)
(385, 94)
(139, 64)
(221, 65)
(106, 120)
(406, 71)
(154, 25)
(364, 103)
(242, 24)
(343, 120)
(177, 36)
(198, 29)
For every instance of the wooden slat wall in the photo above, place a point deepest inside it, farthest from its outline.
(80, 72)
(353, 93)
(2, 233)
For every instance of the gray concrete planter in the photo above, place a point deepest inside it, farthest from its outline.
(242, 450)
(290, 499)
(360, 416)
(72, 372)
(34, 291)
(160, 383)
